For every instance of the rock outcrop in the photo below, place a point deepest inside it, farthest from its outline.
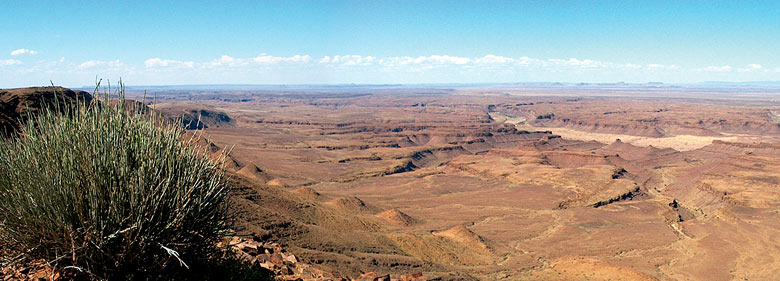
(18, 104)
(286, 266)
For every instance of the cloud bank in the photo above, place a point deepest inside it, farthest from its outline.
(23, 51)
(351, 68)
(9, 62)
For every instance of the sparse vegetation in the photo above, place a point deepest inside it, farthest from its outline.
(545, 116)
(105, 192)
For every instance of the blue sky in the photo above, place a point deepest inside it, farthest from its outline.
(333, 42)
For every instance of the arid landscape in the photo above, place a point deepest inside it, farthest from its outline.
(521, 182)
(385, 140)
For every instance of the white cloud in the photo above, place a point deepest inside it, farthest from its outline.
(750, 68)
(724, 68)
(441, 59)
(493, 59)
(262, 59)
(391, 69)
(425, 61)
(529, 61)
(582, 63)
(429, 62)
(266, 59)
(350, 60)
(655, 66)
(23, 52)
(229, 61)
(395, 61)
(159, 63)
(9, 62)
(99, 63)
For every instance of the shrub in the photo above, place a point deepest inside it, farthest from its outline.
(546, 116)
(108, 191)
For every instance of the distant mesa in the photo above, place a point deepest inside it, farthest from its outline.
(196, 118)
(16, 104)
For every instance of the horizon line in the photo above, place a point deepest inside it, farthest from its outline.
(449, 84)
(553, 83)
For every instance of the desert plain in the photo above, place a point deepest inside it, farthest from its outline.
(504, 182)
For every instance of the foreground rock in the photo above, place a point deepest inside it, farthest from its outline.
(286, 266)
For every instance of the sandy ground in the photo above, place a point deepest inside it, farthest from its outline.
(678, 142)
(432, 183)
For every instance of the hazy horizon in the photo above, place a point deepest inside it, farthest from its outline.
(532, 84)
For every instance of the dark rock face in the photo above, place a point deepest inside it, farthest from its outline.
(16, 105)
(197, 119)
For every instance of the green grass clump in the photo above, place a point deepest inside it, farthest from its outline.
(105, 191)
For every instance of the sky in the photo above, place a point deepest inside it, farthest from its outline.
(72, 43)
